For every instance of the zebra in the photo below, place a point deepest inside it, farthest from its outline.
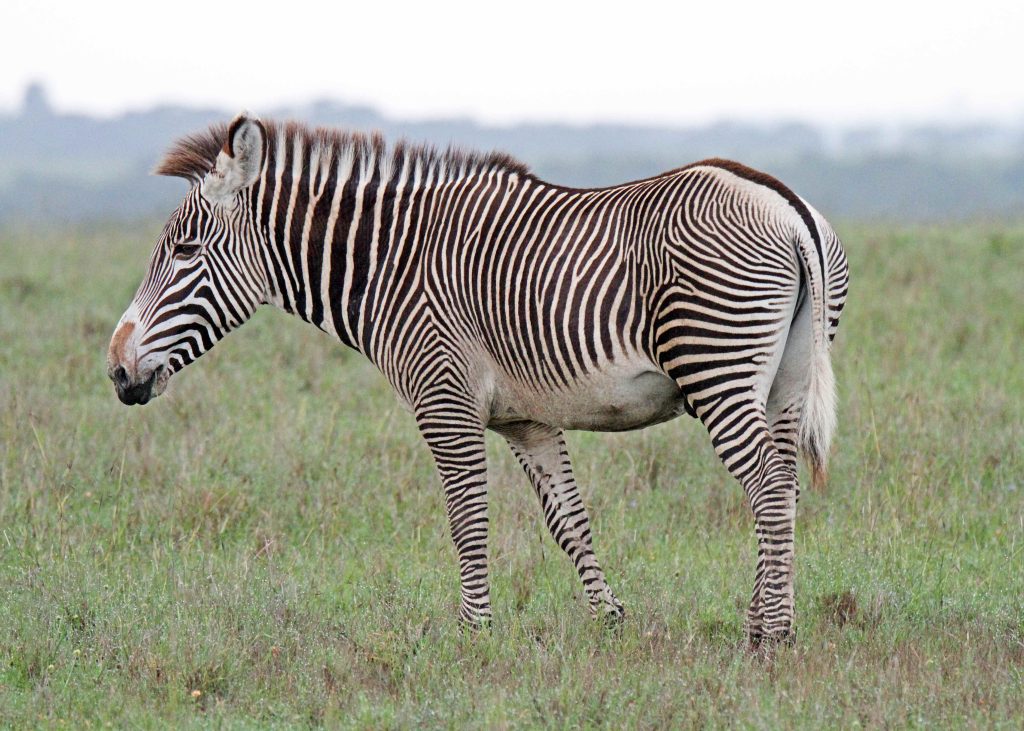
(491, 299)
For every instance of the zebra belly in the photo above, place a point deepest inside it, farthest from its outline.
(621, 399)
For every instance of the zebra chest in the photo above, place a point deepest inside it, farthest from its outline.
(627, 396)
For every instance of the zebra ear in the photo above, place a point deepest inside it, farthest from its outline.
(239, 161)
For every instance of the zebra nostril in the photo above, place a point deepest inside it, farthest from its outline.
(120, 376)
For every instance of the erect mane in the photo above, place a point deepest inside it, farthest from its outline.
(194, 155)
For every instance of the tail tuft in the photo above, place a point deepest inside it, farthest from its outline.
(818, 416)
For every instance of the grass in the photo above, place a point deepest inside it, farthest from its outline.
(265, 546)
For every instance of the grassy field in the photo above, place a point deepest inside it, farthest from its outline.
(265, 545)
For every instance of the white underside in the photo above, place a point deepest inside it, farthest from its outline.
(629, 394)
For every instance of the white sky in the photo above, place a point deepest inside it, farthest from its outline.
(671, 62)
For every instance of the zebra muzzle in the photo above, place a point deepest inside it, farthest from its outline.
(138, 393)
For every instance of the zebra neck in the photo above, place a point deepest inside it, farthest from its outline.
(344, 228)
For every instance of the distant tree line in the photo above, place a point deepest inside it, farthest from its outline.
(72, 167)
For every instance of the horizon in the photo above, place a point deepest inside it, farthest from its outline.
(36, 97)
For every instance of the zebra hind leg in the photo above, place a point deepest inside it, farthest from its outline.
(744, 443)
(542, 452)
(783, 408)
(731, 388)
(456, 440)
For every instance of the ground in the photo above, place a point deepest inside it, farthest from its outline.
(265, 545)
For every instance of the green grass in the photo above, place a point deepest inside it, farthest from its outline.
(271, 533)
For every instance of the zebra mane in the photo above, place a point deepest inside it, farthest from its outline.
(194, 155)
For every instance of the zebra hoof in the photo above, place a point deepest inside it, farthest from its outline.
(765, 643)
(474, 623)
(612, 616)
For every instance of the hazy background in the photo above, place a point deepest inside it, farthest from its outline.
(908, 111)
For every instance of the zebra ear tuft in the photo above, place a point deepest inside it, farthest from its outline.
(239, 161)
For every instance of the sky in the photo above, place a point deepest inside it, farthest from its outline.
(673, 63)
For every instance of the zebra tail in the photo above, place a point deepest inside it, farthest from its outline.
(818, 415)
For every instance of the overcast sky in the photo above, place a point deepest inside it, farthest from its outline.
(673, 62)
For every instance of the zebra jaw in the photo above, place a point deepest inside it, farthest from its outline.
(163, 375)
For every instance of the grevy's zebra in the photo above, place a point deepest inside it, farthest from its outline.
(489, 298)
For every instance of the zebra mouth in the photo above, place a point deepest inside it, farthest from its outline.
(142, 393)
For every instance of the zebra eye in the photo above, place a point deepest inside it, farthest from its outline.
(185, 250)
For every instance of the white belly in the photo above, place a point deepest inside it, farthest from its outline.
(624, 396)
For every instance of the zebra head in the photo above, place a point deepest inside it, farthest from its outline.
(206, 276)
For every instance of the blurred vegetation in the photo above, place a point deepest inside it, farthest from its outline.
(265, 545)
(69, 167)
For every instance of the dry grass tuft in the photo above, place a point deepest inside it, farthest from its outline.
(839, 609)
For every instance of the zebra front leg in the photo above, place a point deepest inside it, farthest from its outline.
(457, 442)
(542, 452)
